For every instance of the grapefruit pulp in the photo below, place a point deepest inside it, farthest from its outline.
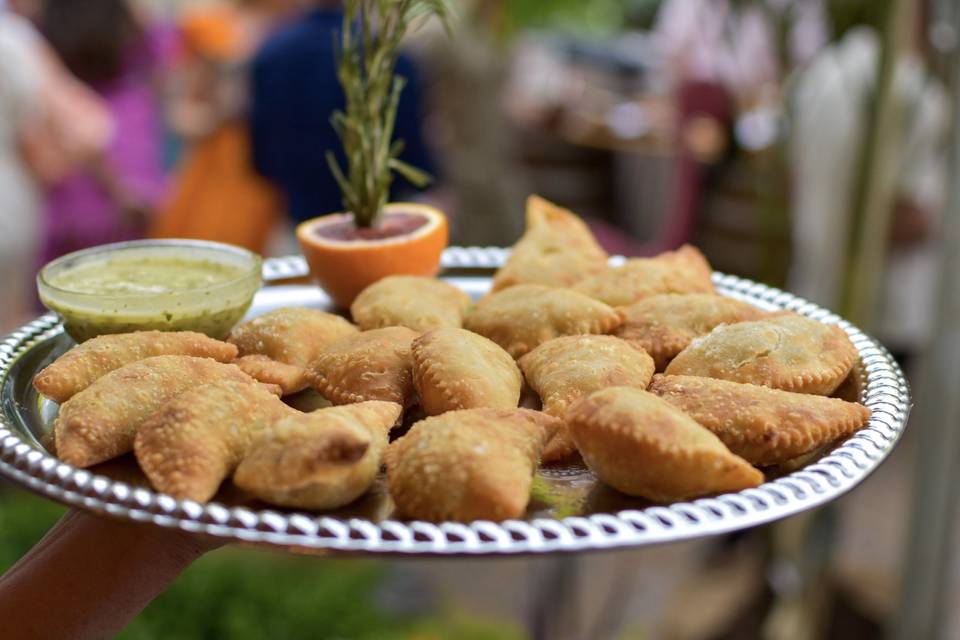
(344, 259)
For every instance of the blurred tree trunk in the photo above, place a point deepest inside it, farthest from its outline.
(928, 583)
(804, 543)
(468, 74)
(876, 184)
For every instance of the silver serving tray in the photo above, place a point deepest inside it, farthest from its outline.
(570, 510)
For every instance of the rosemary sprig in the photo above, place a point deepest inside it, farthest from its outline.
(367, 55)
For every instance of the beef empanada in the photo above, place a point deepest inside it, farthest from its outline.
(197, 439)
(762, 425)
(291, 336)
(665, 325)
(524, 316)
(79, 367)
(788, 352)
(415, 302)
(682, 271)
(100, 422)
(459, 369)
(643, 446)
(319, 460)
(565, 369)
(474, 464)
(372, 365)
(557, 249)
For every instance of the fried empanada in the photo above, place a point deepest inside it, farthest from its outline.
(526, 315)
(474, 464)
(665, 325)
(78, 368)
(196, 440)
(319, 460)
(292, 336)
(459, 369)
(643, 446)
(101, 421)
(682, 271)
(373, 365)
(761, 425)
(557, 249)
(415, 302)
(565, 369)
(289, 378)
(788, 352)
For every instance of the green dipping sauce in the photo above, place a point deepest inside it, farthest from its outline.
(132, 275)
(136, 291)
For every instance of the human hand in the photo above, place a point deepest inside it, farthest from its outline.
(90, 576)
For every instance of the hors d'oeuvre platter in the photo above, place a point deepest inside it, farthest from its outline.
(548, 398)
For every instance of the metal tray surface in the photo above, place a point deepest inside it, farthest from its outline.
(570, 510)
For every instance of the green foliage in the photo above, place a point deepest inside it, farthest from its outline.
(369, 46)
(579, 17)
(242, 594)
(844, 15)
(24, 519)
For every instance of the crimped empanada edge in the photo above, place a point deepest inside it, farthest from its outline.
(797, 442)
(818, 383)
(426, 372)
(323, 384)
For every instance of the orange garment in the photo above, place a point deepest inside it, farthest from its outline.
(219, 197)
(217, 194)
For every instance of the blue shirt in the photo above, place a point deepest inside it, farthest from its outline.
(294, 92)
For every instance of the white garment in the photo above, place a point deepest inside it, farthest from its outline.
(736, 46)
(19, 212)
(829, 111)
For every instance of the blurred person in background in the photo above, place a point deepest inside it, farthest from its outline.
(724, 59)
(829, 104)
(19, 200)
(295, 92)
(107, 46)
(50, 124)
(217, 194)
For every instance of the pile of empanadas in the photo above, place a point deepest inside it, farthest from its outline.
(739, 388)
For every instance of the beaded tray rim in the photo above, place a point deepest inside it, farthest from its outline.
(884, 391)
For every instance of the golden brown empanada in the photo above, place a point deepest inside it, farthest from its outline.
(100, 422)
(373, 365)
(197, 439)
(787, 352)
(291, 336)
(319, 460)
(565, 369)
(474, 464)
(459, 369)
(762, 425)
(79, 367)
(524, 316)
(643, 446)
(665, 325)
(682, 271)
(415, 302)
(289, 378)
(557, 249)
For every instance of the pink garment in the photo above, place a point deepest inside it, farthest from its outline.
(79, 213)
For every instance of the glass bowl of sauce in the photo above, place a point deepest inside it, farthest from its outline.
(168, 285)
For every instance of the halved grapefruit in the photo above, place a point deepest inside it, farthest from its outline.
(345, 259)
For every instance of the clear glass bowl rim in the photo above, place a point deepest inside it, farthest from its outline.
(117, 247)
